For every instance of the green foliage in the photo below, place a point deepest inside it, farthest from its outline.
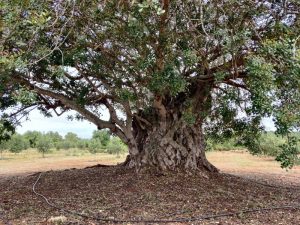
(167, 81)
(32, 137)
(64, 145)
(126, 95)
(24, 97)
(6, 130)
(82, 144)
(44, 145)
(237, 61)
(270, 144)
(17, 143)
(230, 144)
(286, 150)
(261, 84)
(189, 118)
(95, 146)
(289, 154)
(103, 136)
(70, 140)
(55, 138)
(3, 146)
(116, 146)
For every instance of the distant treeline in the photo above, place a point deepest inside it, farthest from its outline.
(269, 144)
(101, 141)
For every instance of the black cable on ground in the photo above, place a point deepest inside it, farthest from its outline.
(177, 220)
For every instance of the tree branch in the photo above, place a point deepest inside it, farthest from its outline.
(101, 124)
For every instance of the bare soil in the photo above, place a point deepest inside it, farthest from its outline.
(114, 193)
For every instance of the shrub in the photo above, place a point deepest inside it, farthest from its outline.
(82, 144)
(95, 146)
(17, 144)
(72, 139)
(116, 146)
(103, 136)
(64, 145)
(225, 145)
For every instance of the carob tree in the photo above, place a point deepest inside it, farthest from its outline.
(168, 73)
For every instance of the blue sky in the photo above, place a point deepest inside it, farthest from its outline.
(83, 129)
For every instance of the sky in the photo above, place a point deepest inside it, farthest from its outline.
(61, 124)
(83, 129)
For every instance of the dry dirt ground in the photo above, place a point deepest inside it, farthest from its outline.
(246, 182)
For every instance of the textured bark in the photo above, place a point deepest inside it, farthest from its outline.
(163, 138)
(182, 147)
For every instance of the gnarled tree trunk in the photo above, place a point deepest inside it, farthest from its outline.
(169, 135)
(181, 147)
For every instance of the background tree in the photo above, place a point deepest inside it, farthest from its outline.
(54, 137)
(17, 143)
(116, 146)
(32, 137)
(44, 145)
(95, 146)
(103, 136)
(71, 139)
(83, 143)
(167, 72)
(6, 131)
(3, 146)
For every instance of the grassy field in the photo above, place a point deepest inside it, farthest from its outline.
(31, 161)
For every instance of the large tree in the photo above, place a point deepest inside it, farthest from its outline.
(167, 72)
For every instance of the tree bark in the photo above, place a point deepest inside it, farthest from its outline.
(169, 136)
(182, 147)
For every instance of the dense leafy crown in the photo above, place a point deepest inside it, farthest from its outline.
(124, 56)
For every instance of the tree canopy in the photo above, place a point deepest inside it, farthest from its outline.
(165, 70)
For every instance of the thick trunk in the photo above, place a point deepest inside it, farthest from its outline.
(169, 136)
(182, 147)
